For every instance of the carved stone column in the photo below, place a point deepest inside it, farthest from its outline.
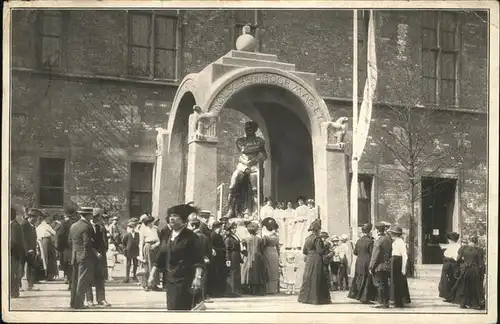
(337, 194)
(201, 181)
(164, 188)
(336, 176)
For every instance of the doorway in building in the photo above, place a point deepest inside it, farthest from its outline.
(438, 200)
(291, 152)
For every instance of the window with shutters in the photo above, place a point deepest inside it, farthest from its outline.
(51, 182)
(153, 45)
(244, 17)
(141, 188)
(50, 31)
(440, 57)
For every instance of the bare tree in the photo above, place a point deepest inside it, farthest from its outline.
(417, 141)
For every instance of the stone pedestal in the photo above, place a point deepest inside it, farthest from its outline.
(336, 195)
(201, 181)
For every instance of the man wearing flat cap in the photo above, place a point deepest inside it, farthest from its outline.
(181, 257)
(84, 257)
(380, 265)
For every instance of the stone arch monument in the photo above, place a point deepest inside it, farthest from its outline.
(186, 166)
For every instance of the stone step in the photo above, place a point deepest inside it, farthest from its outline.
(256, 63)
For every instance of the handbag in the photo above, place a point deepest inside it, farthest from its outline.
(142, 270)
(201, 305)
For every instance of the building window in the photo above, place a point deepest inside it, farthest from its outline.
(50, 29)
(440, 57)
(153, 44)
(51, 182)
(245, 17)
(141, 188)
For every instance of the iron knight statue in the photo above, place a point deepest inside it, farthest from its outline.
(249, 171)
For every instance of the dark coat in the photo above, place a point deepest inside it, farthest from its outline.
(16, 244)
(363, 251)
(180, 258)
(165, 234)
(218, 246)
(381, 256)
(62, 240)
(131, 244)
(81, 237)
(101, 246)
(233, 251)
(29, 235)
(206, 251)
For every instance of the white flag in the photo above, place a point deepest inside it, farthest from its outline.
(365, 114)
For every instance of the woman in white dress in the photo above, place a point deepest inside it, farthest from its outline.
(288, 231)
(300, 223)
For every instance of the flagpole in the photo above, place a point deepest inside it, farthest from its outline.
(354, 158)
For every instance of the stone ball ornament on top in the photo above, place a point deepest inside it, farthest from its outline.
(246, 42)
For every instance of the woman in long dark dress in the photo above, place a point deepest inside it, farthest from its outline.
(450, 270)
(362, 287)
(233, 261)
(314, 289)
(468, 291)
(400, 292)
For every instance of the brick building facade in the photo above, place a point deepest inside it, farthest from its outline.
(89, 88)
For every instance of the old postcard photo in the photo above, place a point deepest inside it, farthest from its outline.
(250, 162)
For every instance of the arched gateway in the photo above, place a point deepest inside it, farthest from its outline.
(271, 93)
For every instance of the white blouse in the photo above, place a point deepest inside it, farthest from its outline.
(399, 249)
(44, 230)
(451, 250)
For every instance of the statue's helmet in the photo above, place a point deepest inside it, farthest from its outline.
(251, 125)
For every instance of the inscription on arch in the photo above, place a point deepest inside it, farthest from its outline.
(271, 79)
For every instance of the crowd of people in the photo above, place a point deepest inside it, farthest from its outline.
(195, 258)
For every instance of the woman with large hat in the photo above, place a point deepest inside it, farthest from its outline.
(400, 292)
(362, 287)
(314, 289)
(149, 242)
(270, 241)
(182, 260)
(252, 272)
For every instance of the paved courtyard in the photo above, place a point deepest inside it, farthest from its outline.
(55, 296)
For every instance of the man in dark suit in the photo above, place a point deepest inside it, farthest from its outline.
(29, 235)
(83, 257)
(63, 244)
(17, 253)
(380, 265)
(131, 250)
(100, 272)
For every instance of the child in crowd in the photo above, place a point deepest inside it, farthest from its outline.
(111, 255)
(289, 273)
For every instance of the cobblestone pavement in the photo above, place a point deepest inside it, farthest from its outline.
(55, 296)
